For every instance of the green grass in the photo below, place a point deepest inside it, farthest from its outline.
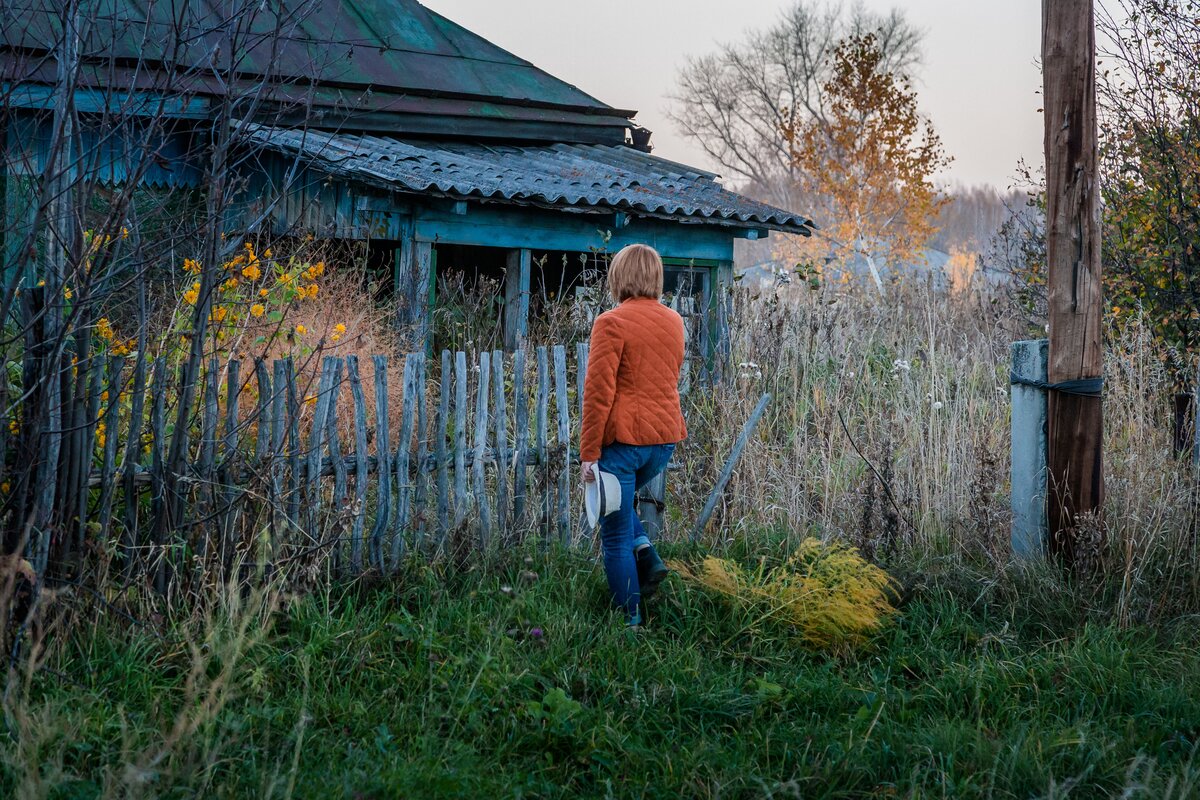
(433, 686)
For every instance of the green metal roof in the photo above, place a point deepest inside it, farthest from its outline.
(363, 55)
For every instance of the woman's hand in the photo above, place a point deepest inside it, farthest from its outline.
(586, 474)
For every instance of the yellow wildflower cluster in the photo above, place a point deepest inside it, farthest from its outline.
(338, 330)
(104, 329)
(257, 310)
(14, 427)
(192, 294)
(191, 266)
(101, 431)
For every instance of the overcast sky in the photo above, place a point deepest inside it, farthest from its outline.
(979, 83)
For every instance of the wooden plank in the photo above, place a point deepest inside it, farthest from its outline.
(727, 471)
(500, 415)
(460, 438)
(421, 477)
(230, 463)
(158, 501)
(516, 297)
(581, 361)
(262, 414)
(207, 466)
(513, 227)
(316, 443)
(293, 446)
(404, 463)
(279, 422)
(521, 441)
(112, 433)
(133, 455)
(542, 410)
(564, 444)
(443, 465)
(383, 455)
(1074, 281)
(481, 442)
(91, 423)
(361, 481)
(340, 476)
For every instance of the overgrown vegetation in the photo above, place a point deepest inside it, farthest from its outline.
(503, 679)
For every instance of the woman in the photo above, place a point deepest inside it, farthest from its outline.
(631, 414)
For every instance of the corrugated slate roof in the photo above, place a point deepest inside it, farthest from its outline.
(569, 176)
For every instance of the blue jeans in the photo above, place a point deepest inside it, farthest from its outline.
(622, 531)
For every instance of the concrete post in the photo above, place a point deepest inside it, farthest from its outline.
(1029, 447)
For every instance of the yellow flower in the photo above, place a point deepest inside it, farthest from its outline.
(5, 487)
(339, 328)
(310, 400)
(266, 253)
(229, 284)
(218, 314)
(251, 273)
(42, 282)
(301, 330)
(319, 268)
(335, 337)
(263, 292)
(67, 292)
(285, 278)
(191, 296)
(104, 329)
(124, 233)
(312, 292)
(257, 310)
(196, 285)
(191, 265)
(14, 427)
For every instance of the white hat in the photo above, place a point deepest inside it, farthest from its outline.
(602, 496)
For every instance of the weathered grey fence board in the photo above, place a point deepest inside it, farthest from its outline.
(521, 444)
(229, 463)
(306, 446)
(361, 479)
(500, 415)
(481, 432)
(460, 438)
(403, 462)
(112, 434)
(543, 404)
(564, 444)
(421, 487)
(443, 464)
(383, 450)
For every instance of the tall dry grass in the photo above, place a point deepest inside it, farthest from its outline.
(889, 428)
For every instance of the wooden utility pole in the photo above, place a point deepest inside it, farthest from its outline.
(1075, 466)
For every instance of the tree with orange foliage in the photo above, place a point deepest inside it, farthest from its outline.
(869, 163)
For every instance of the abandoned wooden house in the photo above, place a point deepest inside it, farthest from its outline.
(383, 122)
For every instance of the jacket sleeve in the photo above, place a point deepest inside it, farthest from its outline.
(600, 385)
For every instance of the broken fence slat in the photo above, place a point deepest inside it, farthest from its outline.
(730, 463)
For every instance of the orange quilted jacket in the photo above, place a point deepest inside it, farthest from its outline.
(631, 392)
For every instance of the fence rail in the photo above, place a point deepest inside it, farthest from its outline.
(479, 452)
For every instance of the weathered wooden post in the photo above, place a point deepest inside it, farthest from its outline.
(1076, 483)
(1028, 475)
(414, 273)
(516, 298)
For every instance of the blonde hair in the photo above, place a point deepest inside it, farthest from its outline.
(636, 271)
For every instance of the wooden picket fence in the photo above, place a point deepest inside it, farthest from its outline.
(485, 452)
